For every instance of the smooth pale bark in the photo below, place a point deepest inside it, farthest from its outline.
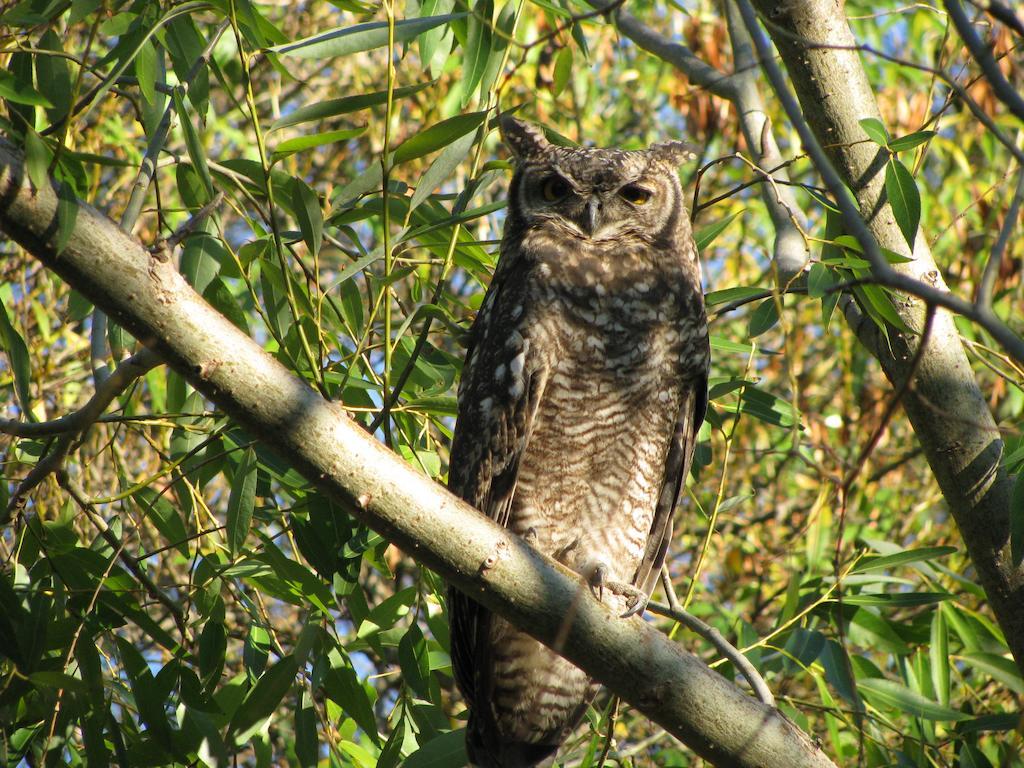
(944, 402)
(147, 295)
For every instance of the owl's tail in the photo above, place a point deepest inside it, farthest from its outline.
(496, 753)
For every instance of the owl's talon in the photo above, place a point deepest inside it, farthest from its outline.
(636, 599)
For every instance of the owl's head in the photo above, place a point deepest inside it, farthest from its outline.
(595, 194)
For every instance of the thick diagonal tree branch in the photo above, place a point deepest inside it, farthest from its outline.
(944, 402)
(146, 295)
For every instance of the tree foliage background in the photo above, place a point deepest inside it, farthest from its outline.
(330, 178)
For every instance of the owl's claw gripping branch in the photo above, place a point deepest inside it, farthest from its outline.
(636, 599)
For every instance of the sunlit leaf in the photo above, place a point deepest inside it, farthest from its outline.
(887, 693)
(344, 41)
(904, 198)
(437, 136)
(875, 130)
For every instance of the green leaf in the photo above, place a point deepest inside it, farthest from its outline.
(193, 145)
(343, 687)
(442, 168)
(437, 136)
(875, 130)
(972, 757)
(334, 107)
(763, 318)
(264, 698)
(563, 70)
(436, 43)
(17, 353)
(887, 693)
(164, 516)
(302, 143)
(413, 660)
(896, 600)
(67, 214)
(445, 751)
(306, 205)
(242, 501)
(938, 657)
(870, 630)
(901, 558)
(53, 74)
(706, 235)
(819, 280)
(904, 198)
(910, 141)
(20, 91)
(477, 49)
(146, 67)
(307, 746)
(1000, 668)
(739, 293)
(344, 41)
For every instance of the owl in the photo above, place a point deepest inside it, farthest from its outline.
(582, 393)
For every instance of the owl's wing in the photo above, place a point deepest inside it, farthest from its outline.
(677, 466)
(499, 393)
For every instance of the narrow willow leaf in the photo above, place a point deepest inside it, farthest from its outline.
(999, 667)
(897, 599)
(344, 41)
(448, 749)
(302, 143)
(67, 214)
(739, 293)
(477, 49)
(21, 91)
(437, 136)
(53, 74)
(563, 70)
(193, 145)
(910, 141)
(17, 352)
(342, 686)
(705, 236)
(442, 168)
(904, 198)
(146, 70)
(763, 318)
(242, 501)
(430, 40)
(343, 106)
(504, 28)
(907, 557)
(875, 130)
(938, 654)
(308, 213)
(892, 694)
(307, 746)
(819, 280)
(265, 697)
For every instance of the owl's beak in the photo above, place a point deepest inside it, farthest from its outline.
(593, 218)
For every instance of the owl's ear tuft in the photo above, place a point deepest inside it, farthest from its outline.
(524, 139)
(674, 153)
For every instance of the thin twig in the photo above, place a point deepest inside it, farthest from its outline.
(79, 496)
(988, 278)
(70, 427)
(1002, 89)
(854, 221)
(723, 646)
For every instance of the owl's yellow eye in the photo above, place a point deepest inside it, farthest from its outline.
(555, 188)
(631, 193)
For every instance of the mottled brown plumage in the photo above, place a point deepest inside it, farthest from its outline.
(583, 390)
